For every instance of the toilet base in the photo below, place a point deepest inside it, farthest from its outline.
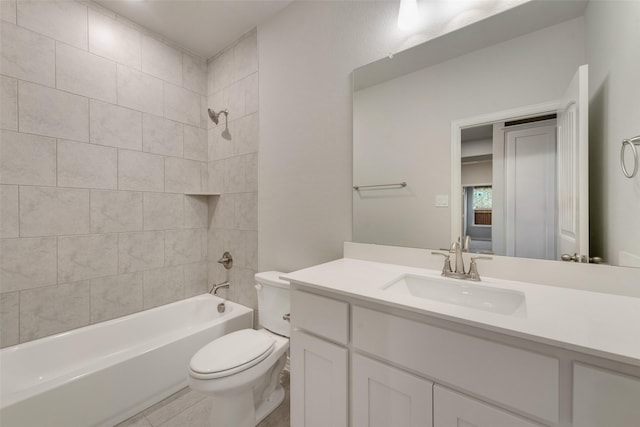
(232, 411)
(247, 406)
(268, 406)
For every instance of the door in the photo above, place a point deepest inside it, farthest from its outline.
(530, 192)
(573, 164)
(382, 396)
(452, 409)
(318, 382)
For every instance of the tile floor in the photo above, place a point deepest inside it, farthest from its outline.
(187, 408)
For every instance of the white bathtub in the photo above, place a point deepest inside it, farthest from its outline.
(104, 373)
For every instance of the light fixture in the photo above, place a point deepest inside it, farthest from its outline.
(408, 14)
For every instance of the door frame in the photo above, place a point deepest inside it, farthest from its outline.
(550, 107)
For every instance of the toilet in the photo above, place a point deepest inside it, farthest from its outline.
(241, 370)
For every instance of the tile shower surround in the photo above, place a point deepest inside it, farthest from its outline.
(232, 84)
(103, 128)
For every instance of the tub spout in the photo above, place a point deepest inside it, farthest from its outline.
(215, 288)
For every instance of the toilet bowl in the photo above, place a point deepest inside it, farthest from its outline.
(241, 370)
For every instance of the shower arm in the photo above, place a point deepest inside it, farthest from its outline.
(214, 116)
(226, 117)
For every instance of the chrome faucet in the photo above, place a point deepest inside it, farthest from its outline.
(459, 271)
(215, 288)
(456, 249)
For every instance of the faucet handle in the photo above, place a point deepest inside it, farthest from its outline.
(446, 268)
(473, 267)
(226, 260)
(467, 243)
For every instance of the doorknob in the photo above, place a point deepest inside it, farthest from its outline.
(574, 258)
(581, 258)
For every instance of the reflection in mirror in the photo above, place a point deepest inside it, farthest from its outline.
(405, 118)
(526, 184)
(539, 176)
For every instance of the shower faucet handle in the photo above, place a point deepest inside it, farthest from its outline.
(226, 260)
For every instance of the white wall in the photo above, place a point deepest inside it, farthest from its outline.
(306, 55)
(477, 147)
(403, 126)
(614, 115)
(477, 173)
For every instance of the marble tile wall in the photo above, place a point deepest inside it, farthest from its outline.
(102, 130)
(233, 167)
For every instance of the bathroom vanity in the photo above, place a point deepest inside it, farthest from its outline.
(377, 344)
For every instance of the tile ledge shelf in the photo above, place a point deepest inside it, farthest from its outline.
(201, 194)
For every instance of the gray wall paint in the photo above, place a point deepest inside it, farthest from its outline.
(306, 54)
(613, 63)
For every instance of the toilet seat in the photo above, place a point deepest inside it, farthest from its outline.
(231, 353)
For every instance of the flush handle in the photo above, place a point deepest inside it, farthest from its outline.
(287, 317)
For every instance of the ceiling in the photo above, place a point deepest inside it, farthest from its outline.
(204, 27)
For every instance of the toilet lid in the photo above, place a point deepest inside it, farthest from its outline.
(232, 353)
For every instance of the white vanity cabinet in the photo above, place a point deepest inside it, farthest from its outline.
(359, 363)
(319, 361)
(383, 396)
(453, 409)
(517, 379)
(318, 382)
(603, 398)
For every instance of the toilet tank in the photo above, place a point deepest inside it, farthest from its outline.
(273, 302)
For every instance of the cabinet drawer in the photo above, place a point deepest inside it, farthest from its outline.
(322, 316)
(604, 398)
(515, 378)
(451, 409)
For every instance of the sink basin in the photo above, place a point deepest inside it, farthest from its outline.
(462, 293)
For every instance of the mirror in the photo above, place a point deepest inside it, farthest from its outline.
(411, 110)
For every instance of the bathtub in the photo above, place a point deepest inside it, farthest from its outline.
(102, 374)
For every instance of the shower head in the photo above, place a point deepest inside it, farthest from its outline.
(215, 116)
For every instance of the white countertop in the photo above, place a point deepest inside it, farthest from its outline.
(599, 324)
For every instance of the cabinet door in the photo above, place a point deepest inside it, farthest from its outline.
(383, 396)
(451, 409)
(318, 382)
(604, 399)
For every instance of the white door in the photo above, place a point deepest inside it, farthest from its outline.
(382, 396)
(318, 382)
(530, 192)
(452, 409)
(573, 166)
